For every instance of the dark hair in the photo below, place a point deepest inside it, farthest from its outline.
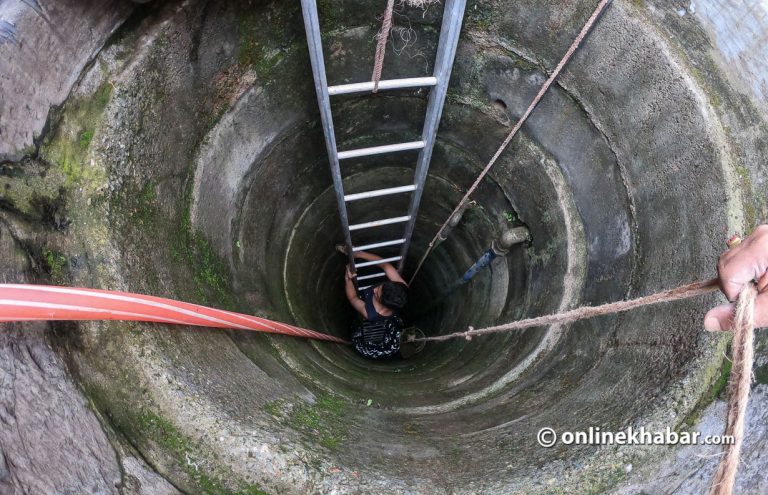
(394, 295)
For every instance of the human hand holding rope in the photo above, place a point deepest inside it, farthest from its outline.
(745, 261)
(743, 277)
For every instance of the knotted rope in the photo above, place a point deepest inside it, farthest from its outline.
(683, 292)
(739, 383)
(742, 350)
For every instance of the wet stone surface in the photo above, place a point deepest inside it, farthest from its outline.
(188, 162)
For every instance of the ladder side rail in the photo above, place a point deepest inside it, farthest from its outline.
(453, 15)
(314, 42)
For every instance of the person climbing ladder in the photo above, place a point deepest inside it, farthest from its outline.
(378, 334)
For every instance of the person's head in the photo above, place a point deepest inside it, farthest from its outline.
(393, 295)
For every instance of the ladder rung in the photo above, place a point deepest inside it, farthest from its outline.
(377, 150)
(378, 245)
(378, 262)
(378, 223)
(411, 82)
(379, 192)
(375, 275)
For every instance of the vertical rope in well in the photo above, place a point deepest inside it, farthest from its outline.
(542, 91)
(739, 383)
(381, 45)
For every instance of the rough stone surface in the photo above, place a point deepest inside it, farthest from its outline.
(688, 470)
(50, 441)
(139, 479)
(741, 41)
(189, 163)
(44, 46)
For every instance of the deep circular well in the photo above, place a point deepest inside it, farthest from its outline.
(204, 177)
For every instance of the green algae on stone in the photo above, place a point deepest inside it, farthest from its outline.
(138, 204)
(85, 139)
(750, 210)
(714, 378)
(543, 255)
(305, 419)
(715, 391)
(275, 407)
(56, 264)
(68, 145)
(34, 189)
(722, 381)
(145, 212)
(210, 272)
(324, 419)
(163, 444)
(604, 480)
(154, 428)
(262, 43)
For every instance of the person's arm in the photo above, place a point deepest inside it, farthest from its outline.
(349, 288)
(391, 271)
(736, 267)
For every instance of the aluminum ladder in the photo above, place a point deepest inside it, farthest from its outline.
(453, 15)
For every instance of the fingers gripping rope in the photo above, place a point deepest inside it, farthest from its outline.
(48, 303)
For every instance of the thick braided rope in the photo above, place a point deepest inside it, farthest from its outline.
(383, 36)
(571, 50)
(381, 45)
(739, 383)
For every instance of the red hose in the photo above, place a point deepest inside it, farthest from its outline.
(43, 302)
